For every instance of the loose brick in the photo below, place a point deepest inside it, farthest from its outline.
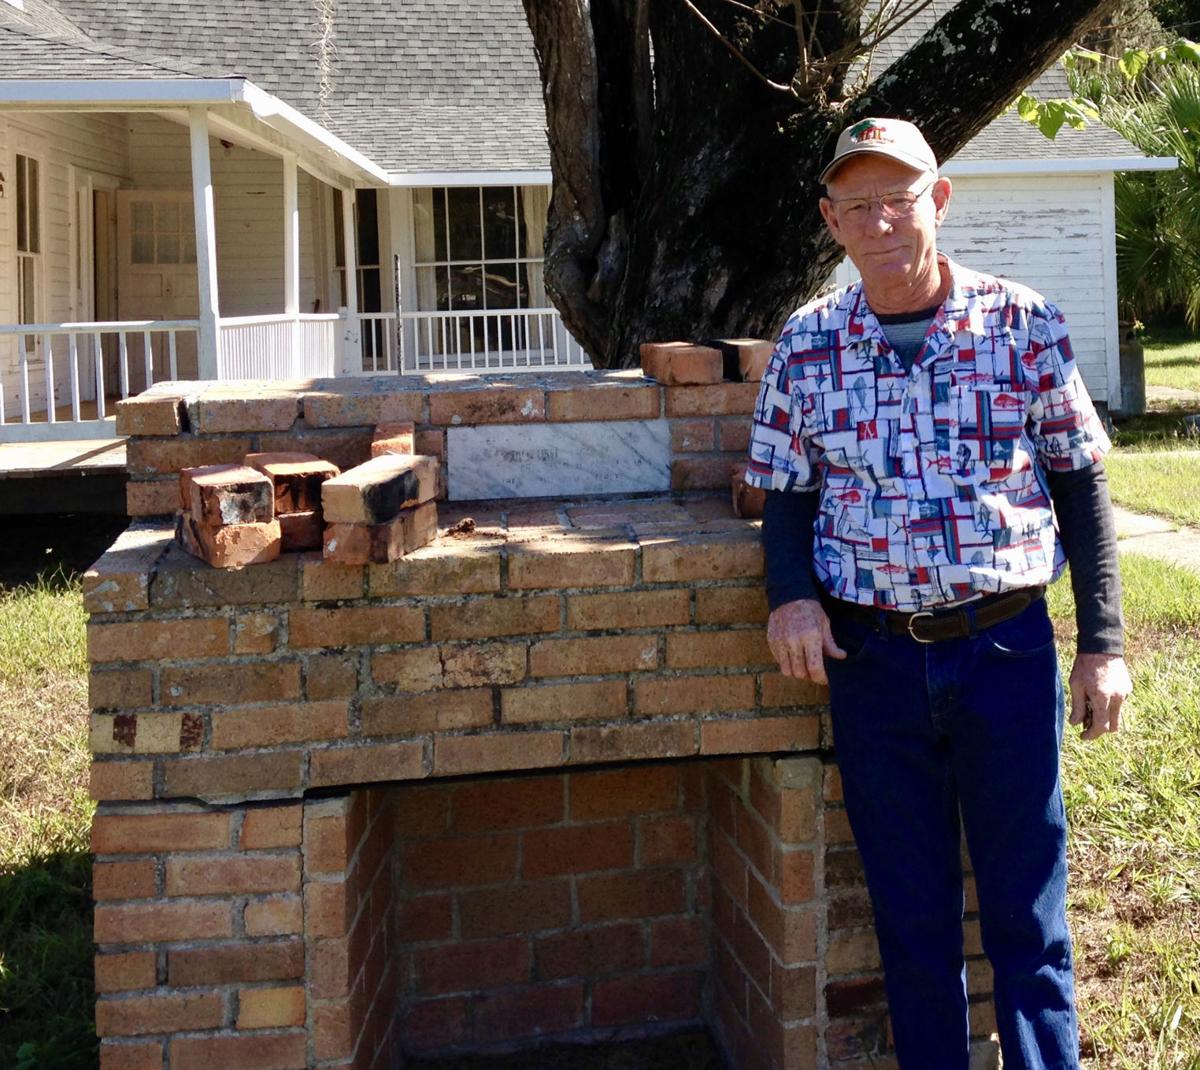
(243, 874)
(258, 681)
(150, 414)
(147, 833)
(301, 531)
(721, 399)
(236, 775)
(604, 403)
(577, 849)
(628, 610)
(640, 894)
(598, 700)
(704, 557)
(200, 637)
(593, 656)
(125, 972)
(680, 363)
(589, 952)
(361, 764)
(731, 605)
(355, 626)
(143, 923)
(219, 495)
(275, 915)
(121, 780)
(295, 477)
(491, 753)
(624, 792)
(448, 568)
(495, 405)
(733, 648)
(529, 1012)
(269, 960)
(271, 1051)
(393, 438)
(124, 880)
(746, 359)
(158, 1014)
(271, 1008)
(166, 456)
(761, 735)
(619, 743)
(519, 908)
(574, 563)
(470, 967)
(404, 715)
(233, 546)
(376, 491)
(518, 802)
(661, 997)
(693, 694)
(482, 618)
(362, 544)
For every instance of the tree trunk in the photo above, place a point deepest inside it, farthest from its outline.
(685, 195)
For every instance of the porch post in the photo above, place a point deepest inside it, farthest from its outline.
(209, 347)
(291, 254)
(351, 347)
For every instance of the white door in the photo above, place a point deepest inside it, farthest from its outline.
(156, 276)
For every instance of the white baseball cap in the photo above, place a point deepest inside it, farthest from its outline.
(895, 138)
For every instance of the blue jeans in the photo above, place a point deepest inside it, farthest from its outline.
(923, 733)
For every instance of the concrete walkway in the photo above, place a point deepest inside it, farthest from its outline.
(1155, 537)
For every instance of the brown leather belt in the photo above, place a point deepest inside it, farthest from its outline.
(934, 625)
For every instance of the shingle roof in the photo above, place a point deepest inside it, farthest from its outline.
(417, 85)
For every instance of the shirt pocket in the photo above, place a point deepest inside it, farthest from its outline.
(987, 427)
(848, 430)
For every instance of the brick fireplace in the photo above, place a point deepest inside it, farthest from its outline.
(537, 782)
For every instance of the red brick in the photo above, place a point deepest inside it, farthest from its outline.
(275, 915)
(330, 676)
(237, 775)
(470, 966)
(539, 1011)
(421, 810)
(495, 405)
(433, 1024)
(173, 1013)
(296, 479)
(406, 715)
(219, 684)
(792, 934)
(589, 952)
(520, 802)
(233, 874)
(121, 780)
(733, 648)
(577, 849)
(594, 700)
(359, 764)
(393, 438)
(628, 609)
(269, 726)
(593, 656)
(667, 841)
(462, 860)
(146, 833)
(795, 876)
(355, 626)
(151, 497)
(731, 605)
(692, 436)
(497, 751)
(271, 826)
(200, 637)
(254, 633)
(615, 743)
(733, 435)
(700, 473)
(221, 409)
(234, 545)
(722, 399)
(122, 688)
(276, 960)
(693, 694)
(247, 1051)
(624, 792)
(124, 880)
(271, 1008)
(702, 557)
(759, 735)
(678, 942)
(516, 908)
(125, 972)
(780, 690)
(641, 894)
(659, 997)
(146, 456)
(447, 568)
(681, 363)
(118, 1056)
(423, 918)
(349, 403)
(376, 491)
(484, 617)
(603, 403)
(150, 414)
(582, 563)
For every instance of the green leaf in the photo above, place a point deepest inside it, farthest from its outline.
(1028, 107)
(1051, 119)
(1186, 51)
(1087, 55)
(1132, 62)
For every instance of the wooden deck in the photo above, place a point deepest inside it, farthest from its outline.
(81, 476)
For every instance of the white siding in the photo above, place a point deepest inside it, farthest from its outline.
(248, 192)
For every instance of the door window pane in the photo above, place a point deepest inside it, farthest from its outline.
(166, 217)
(27, 287)
(465, 238)
(168, 249)
(143, 249)
(368, 227)
(34, 214)
(143, 217)
(22, 208)
(499, 223)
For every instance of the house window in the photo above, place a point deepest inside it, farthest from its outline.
(29, 238)
(479, 249)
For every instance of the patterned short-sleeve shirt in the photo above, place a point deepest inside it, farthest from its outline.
(931, 480)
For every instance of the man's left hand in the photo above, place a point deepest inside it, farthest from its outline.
(1099, 684)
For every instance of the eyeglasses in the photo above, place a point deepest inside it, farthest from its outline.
(857, 210)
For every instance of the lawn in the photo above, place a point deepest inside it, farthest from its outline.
(1165, 483)
(1172, 358)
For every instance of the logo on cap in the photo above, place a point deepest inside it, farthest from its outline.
(868, 130)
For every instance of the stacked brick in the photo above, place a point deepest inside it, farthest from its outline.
(296, 479)
(380, 510)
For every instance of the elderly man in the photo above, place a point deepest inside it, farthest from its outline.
(912, 432)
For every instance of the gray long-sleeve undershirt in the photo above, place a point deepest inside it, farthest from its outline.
(1085, 525)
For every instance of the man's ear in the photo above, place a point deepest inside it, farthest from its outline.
(941, 192)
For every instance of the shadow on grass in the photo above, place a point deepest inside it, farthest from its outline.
(1155, 430)
(54, 545)
(680, 1051)
(46, 986)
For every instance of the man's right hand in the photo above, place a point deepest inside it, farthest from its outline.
(799, 636)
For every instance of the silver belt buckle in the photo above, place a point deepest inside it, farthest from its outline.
(912, 620)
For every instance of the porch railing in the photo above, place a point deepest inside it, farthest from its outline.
(279, 347)
(79, 368)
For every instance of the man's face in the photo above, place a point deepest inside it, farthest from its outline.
(890, 253)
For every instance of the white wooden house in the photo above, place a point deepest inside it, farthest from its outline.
(186, 186)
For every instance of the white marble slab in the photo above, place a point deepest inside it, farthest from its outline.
(543, 460)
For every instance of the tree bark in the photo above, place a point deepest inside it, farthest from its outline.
(685, 191)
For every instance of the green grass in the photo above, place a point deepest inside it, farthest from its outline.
(45, 869)
(1172, 358)
(1133, 802)
(1165, 483)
